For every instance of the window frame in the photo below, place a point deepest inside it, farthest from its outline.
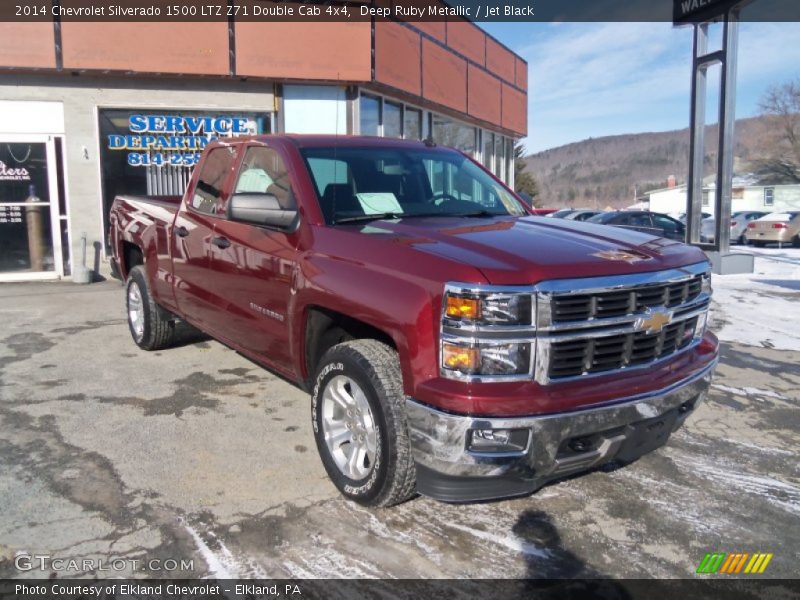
(769, 192)
(221, 201)
(243, 151)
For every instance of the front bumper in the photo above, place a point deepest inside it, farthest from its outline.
(448, 470)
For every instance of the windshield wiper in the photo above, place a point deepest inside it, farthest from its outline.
(477, 214)
(371, 217)
(389, 215)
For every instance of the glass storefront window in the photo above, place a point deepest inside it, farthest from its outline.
(26, 235)
(511, 159)
(369, 109)
(412, 123)
(488, 149)
(499, 155)
(453, 134)
(392, 120)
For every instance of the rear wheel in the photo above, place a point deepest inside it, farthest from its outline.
(359, 420)
(152, 328)
(796, 241)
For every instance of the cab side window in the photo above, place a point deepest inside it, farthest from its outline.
(264, 172)
(210, 182)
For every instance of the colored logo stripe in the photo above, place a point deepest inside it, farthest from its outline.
(711, 562)
(724, 563)
(758, 564)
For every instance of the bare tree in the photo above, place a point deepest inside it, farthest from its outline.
(780, 158)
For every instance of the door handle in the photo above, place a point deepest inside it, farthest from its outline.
(221, 242)
(181, 231)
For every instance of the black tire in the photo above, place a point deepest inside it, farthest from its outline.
(743, 240)
(375, 368)
(796, 241)
(158, 327)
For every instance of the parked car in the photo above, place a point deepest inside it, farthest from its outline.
(738, 224)
(780, 227)
(683, 216)
(561, 213)
(581, 214)
(453, 344)
(641, 220)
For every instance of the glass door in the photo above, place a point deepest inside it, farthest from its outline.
(30, 240)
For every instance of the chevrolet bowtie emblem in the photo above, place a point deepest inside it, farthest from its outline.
(654, 320)
(628, 257)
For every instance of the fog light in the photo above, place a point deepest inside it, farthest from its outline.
(466, 359)
(498, 440)
(700, 328)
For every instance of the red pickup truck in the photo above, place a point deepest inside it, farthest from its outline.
(453, 344)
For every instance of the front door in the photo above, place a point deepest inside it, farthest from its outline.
(255, 266)
(30, 238)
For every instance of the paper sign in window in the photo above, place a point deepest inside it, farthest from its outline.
(375, 203)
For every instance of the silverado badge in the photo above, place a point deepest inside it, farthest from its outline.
(653, 320)
(628, 257)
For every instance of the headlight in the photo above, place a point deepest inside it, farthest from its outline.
(471, 358)
(488, 309)
(487, 332)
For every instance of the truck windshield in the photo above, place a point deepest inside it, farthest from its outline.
(358, 184)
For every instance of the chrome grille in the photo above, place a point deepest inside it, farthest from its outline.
(595, 326)
(596, 355)
(617, 303)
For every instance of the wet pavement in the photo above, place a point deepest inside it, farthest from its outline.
(196, 454)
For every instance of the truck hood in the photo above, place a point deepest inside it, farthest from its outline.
(513, 250)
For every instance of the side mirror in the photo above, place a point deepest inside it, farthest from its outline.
(260, 209)
(525, 198)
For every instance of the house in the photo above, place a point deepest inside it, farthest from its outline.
(747, 194)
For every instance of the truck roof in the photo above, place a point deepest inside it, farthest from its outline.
(317, 140)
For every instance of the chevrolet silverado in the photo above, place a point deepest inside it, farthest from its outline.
(454, 344)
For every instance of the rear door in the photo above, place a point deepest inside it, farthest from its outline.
(193, 233)
(254, 267)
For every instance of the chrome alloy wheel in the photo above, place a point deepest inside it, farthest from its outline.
(136, 311)
(349, 428)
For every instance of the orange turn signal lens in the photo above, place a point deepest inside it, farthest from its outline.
(461, 358)
(463, 308)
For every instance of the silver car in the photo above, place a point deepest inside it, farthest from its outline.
(739, 221)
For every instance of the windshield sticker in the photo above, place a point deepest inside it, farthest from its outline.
(376, 203)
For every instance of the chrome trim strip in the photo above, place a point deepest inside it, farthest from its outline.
(595, 285)
(700, 303)
(581, 334)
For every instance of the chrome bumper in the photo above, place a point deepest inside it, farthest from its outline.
(448, 470)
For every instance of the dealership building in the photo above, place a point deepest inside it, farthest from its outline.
(89, 110)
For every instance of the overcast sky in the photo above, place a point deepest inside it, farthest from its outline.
(595, 79)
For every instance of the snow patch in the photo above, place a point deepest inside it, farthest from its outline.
(748, 391)
(511, 543)
(216, 564)
(760, 308)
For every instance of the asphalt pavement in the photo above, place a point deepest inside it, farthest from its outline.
(198, 456)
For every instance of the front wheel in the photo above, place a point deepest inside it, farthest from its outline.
(359, 420)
